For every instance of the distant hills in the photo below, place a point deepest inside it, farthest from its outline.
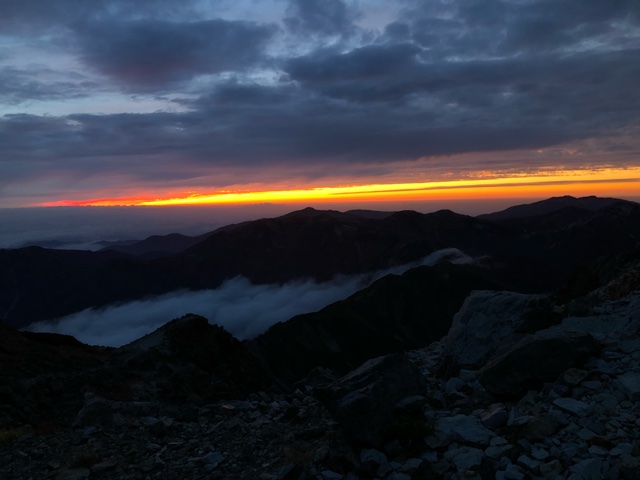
(527, 248)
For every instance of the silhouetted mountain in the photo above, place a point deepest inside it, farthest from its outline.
(527, 253)
(157, 246)
(551, 205)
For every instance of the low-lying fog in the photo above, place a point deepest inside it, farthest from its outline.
(244, 309)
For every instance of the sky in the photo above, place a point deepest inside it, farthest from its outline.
(155, 102)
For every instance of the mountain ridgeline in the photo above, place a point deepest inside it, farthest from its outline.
(529, 248)
(519, 360)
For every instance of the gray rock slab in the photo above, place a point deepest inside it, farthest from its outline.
(629, 383)
(487, 319)
(571, 405)
(465, 428)
(465, 458)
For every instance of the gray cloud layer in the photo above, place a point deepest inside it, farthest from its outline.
(315, 89)
(244, 309)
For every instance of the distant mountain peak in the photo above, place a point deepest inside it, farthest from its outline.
(553, 204)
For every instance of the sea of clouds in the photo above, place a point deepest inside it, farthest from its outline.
(244, 309)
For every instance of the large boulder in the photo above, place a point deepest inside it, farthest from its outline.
(535, 359)
(366, 401)
(488, 320)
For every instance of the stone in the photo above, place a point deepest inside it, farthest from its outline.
(552, 467)
(213, 459)
(73, 474)
(622, 449)
(398, 476)
(629, 467)
(539, 453)
(513, 473)
(571, 405)
(629, 383)
(496, 453)
(465, 428)
(465, 458)
(540, 427)
(487, 320)
(585, 434)
(453, 385)
(373, 457)
(533, 360)
(364, 401)
(573, 376)
(331, 475)
(411, 465)
(495, 418)
(528, 463)
(589, 469)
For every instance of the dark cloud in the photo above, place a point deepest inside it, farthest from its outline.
(37, 17)
(41, 83)
(507, 27)
(445, 77)
(320, 17)
(147, 54)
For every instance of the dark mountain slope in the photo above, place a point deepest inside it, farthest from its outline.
(37, 284)
(319, 245)
(159, 245)
(531, 254)
(550, 205)
(395, 313)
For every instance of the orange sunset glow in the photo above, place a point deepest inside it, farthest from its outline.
(620, 182)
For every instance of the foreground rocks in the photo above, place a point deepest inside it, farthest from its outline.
(557, 399)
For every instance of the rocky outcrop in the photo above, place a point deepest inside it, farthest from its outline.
(489, 321)
(394, 314)
(534, 360)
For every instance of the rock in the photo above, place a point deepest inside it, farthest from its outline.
(465, 429)
(622, 449)
(364, 401)
(498, 452)
(629, 383)
(534, 359)
(552, 467)
(373, 458)
(487, 320)
(104, 466)
(528, 463)
(540, 427)
(453, 385)
(331, 475)
(495, 418)
(573, 376)
(629, 467)
(465, 458)
(96, 411)
(213, 459)
(589, 469)
(74, 474)
(398, 476)
(573, 406)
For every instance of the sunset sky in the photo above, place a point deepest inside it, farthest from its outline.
(156, 102)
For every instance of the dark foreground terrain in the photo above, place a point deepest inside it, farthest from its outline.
(442, 372)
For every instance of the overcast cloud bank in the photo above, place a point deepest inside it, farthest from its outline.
(244, 309)
(119, 98)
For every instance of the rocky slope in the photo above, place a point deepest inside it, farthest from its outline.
(521, 387)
